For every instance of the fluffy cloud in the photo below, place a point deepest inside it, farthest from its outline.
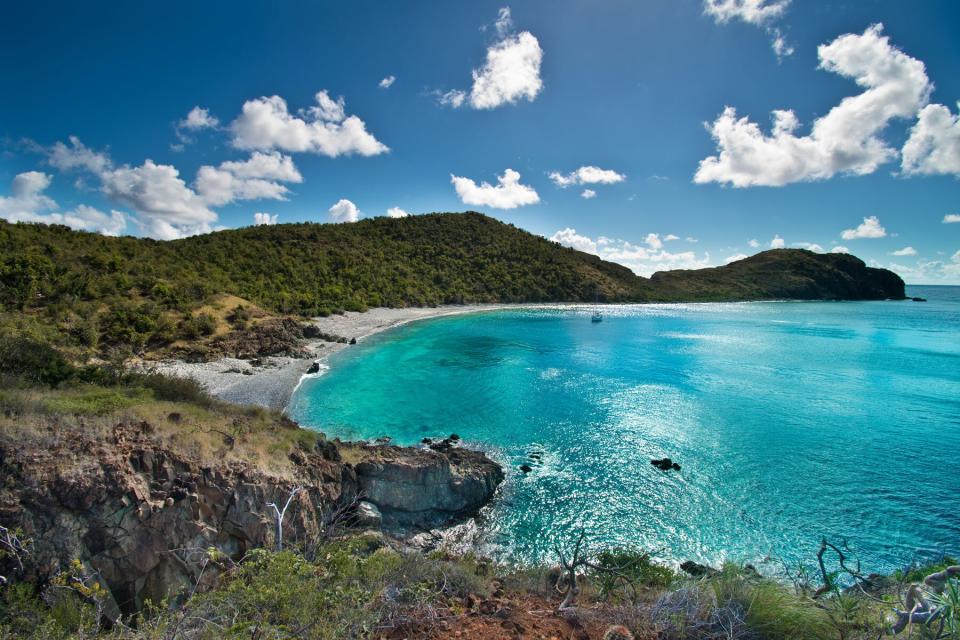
(643, 260)
(508, 193)
(777, 242)
(951, 218)
(265, 124)
(653, 241)
(839, 249)
(670, 237)
(387, 82)
(510, 73)
(344, 211)
(735, 257)
(587, 175)
(253, 179)
(930, 271)
(906, 251)
(570, 238)
(869, 228)
(809, 246)
(756, 12)
(753, 243)
(396, 212)
(166, 207)
(28, 203)
(260, 219)
(77, 156)
(199, 118)
(845, 140)
(588, 194)
(934, 143)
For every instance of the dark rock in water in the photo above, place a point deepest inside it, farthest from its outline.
(526, 468)
(314, 368)
(453, 437)
(665, 464)
(536, 455)
(426, 441)
(696, 569)
(353, 341)
(919, 299)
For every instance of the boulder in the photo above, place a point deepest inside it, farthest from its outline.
(368, 516)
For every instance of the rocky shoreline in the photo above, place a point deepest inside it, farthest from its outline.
(144, 515)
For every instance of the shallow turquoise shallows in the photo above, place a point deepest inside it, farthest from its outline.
(791, 421)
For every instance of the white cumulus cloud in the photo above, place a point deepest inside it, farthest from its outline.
(839, 249)
(906, 251)
(753, 243)
(199, 118)
(586, 175)
(511, 72)
(844, 141)
(760, 13)
(508, 193)
(735, 257)
(588, 194)
(253, 179)
(344, 211)
(325, 128)
(670, 237)
(934, 143)
(777, 242)
(396, 212)
(809, 246)
(28, 203)
(387, 82)
(951, 218)
(643, 260)
(869, 228)
(260, 219)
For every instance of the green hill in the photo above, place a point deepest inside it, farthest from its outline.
(92, 292)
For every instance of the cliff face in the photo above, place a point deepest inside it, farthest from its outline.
(143, 517)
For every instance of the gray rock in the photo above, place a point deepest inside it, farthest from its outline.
(368, 515)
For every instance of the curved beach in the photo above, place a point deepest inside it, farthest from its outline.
(273, 381)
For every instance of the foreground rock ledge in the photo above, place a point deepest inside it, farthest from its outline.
(142, 516)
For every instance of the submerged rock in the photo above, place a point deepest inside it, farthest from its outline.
(314, 368)
(665, 464)
(526, 468)
(696, 569)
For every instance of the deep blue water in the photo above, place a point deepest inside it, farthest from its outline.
(791, 421)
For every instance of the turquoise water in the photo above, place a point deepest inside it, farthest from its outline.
(791, 421)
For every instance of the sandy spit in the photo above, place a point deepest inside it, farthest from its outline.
(273, 382)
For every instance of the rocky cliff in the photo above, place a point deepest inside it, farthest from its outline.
(143, 514)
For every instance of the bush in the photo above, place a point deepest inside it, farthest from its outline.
(617, 570)
(172, 389)
(33, 361)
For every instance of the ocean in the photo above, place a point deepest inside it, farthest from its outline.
(791, 421)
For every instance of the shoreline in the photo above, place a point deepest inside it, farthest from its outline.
(272, 384)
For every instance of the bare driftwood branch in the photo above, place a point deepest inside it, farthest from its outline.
(280, 513)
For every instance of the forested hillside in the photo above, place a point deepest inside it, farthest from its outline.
(93, 293)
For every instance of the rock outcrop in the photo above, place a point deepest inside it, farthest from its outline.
(143, 517)
(424, 488)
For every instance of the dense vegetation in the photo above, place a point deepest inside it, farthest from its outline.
(93, 294)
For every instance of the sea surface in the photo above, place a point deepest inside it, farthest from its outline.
(791, 421)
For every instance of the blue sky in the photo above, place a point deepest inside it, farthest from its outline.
(95, 129)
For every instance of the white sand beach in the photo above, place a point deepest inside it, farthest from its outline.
(272, 383)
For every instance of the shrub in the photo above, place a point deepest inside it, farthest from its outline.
(617, 570)
(33, 361)
(172, 389)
